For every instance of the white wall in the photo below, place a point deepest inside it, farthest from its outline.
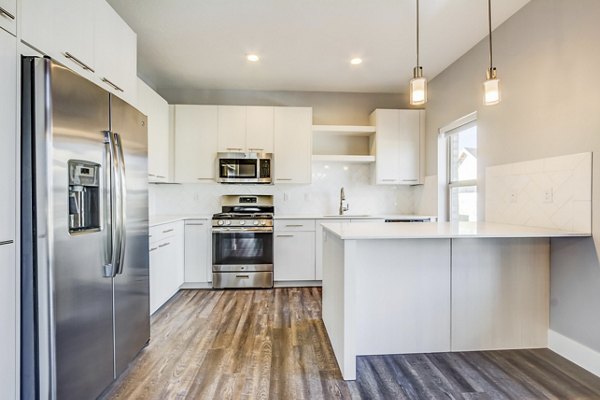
(547, 58)
(319, 198)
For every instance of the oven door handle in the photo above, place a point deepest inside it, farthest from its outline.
(251, 230)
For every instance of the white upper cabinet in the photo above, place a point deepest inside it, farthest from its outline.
(196, 129)
(248, 129)
(73, 31)
(232, 128)
(157, 110)
(8, 15)
(115, 52)
(36, 19)
(292, 144)
(397, 146)
(8, 135)
(259, 129)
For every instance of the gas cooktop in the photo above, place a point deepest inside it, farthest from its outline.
(243, 216)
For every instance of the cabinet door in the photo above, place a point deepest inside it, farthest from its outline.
(8, 322)
(157, 110)
(397, 146)
(197, 251)
(319, 244)
(259, 129)
(115, 52)
(8, 15)
(292, 144)
(73, 27)
(294, 256)
(232, 128)
(156, 263)
(196, 130)
(37, 26)
(8, 134)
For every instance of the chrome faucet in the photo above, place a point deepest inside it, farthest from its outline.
(342, 199)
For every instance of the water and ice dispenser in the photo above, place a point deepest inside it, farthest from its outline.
(84, 196)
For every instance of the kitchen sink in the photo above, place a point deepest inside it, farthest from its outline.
(348, 216)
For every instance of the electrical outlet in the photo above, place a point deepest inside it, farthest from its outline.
(549, 195)
(286, 196)
(196, 196)
(514, 197)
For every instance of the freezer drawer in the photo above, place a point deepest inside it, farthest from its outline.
(237, 280)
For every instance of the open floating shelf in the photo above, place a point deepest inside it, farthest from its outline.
(344, 130)
(344, 158)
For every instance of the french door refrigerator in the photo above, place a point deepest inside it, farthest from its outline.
(84, 231)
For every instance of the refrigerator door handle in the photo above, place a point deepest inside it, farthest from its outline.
(113, 200)
(122, 202)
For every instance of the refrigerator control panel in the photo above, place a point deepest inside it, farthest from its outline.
(84, 196)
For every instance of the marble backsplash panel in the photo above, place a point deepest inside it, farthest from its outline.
(321, 197)
(549, 193)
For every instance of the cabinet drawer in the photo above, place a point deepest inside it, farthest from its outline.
(164, 231)
(295, 225)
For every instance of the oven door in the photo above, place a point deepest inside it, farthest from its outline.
(242, 247)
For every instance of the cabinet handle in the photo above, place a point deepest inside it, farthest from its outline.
(409, 180)
(205, 179)
(112, 84)
(78, 62)
(6, 13)
(255, 148)
(168, 230)
(151, 175)
(194, 224)
(153, 248)
(294, 226)
(388, 180)
(285, 235)
(235, 148)
(284, 179)
(164, 244)
(6, 242)
(243, 276)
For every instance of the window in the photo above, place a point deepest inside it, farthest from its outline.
(462, 172)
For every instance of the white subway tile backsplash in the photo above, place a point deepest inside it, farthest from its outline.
(551, 193)
(320, 198)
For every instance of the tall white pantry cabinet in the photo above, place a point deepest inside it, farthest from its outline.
(8, 182)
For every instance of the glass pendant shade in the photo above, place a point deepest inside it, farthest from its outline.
(418, 88)
(491, 88)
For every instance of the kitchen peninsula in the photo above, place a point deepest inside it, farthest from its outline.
(435, 287)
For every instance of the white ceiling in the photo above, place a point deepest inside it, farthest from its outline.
(305, 45)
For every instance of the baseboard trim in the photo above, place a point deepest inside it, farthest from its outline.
(581, 355)
(283, 284)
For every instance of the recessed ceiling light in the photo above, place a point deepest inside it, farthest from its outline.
(356, 61)
(252, 57)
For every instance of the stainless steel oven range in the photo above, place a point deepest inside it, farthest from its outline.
(243, 242)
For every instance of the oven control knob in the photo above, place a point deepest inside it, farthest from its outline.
(220, 222)
(255, 222)
(242, 222)
(227, 222)
(263, 222)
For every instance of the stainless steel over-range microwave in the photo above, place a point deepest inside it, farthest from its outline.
(244, 167)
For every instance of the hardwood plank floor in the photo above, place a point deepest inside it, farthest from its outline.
(271, 344)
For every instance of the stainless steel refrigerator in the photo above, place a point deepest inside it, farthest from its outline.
(84, 234)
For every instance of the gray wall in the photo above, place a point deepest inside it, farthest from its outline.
(328, 108)
(548, 58)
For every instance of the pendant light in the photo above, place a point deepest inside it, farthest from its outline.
(491, 87)
(418, 84)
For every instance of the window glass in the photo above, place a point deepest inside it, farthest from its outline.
(462, 172)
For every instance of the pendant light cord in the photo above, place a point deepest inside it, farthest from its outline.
(418, 33)
(490, 30)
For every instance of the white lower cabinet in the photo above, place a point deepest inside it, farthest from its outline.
(166, 263)
(294, 250)
(319, 244)
(197, 251)
(8, 322)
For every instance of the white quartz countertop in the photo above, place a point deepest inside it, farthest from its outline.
(353, 216)
(167, 219)
(441, 230)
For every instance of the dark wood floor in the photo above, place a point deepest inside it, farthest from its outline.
(271, 344)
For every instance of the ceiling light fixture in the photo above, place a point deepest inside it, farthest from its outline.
(356, 61)
(252, 57)
(491, 87)
(418, 84)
